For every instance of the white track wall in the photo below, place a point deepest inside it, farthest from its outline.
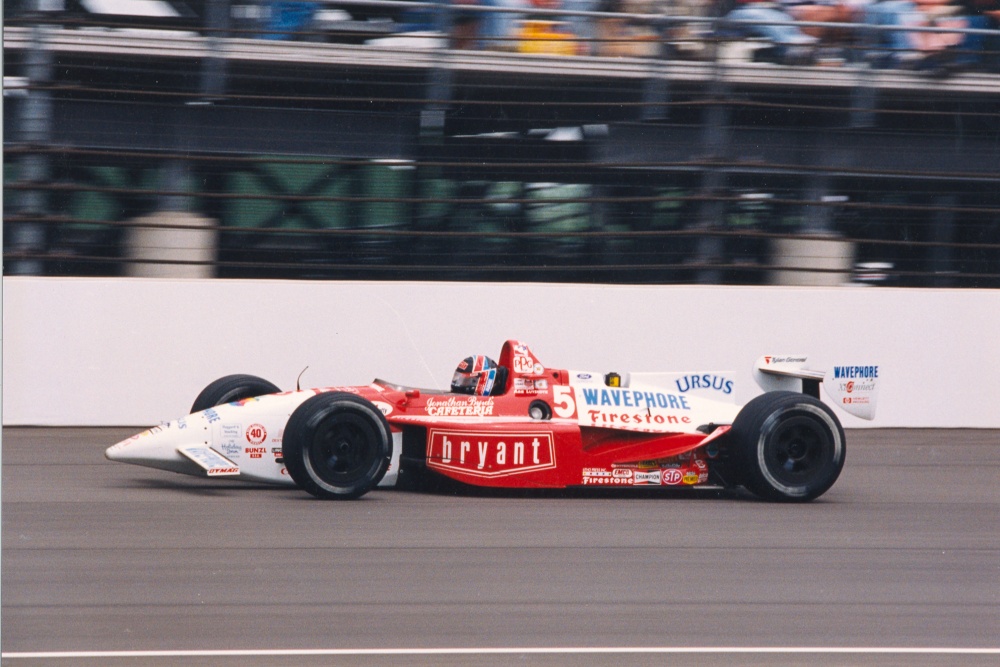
(102, 352)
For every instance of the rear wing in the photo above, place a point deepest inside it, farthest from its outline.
(853, 388)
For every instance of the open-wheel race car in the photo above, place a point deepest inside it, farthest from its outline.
(516, 423)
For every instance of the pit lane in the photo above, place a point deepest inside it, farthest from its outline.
(903, 552)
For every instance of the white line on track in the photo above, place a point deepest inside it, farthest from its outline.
(563, 650)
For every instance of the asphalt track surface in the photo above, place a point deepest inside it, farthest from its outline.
(902, 554)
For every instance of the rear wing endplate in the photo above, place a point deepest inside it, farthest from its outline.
(853, 388)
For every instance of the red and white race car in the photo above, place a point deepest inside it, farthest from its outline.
(517, 423)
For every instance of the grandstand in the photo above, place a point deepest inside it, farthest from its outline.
(652, 143)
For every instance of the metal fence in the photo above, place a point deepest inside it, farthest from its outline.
(389, 140)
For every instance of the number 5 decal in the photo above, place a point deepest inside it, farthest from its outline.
(562, 396)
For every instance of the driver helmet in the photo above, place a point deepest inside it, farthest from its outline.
(475, 375)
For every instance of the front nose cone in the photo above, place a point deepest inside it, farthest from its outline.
(157, 447)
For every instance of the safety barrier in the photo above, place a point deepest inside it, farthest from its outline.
(96, 352)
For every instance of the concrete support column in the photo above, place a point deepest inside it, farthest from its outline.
(943, 235)
(820, 257)
(172, 242)
(715, 139)
(27, 237)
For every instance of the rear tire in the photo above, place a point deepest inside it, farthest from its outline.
(232, 388)
(337, 446)
(788, 446)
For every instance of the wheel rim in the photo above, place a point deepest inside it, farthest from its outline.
(343, 449)
(798, 449)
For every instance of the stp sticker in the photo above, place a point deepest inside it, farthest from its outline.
(672, 476)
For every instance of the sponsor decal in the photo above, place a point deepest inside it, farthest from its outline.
(211, 415)
(583, 376)
(231, 449)
(256, 452)
(859, 387)
(490, 454)
(127, 441)
(854, 372)
(628, 398)
(523, 365)
(605, 477)
(672, 476)
(256, 434)
(691, 477)
(647, 477)
(527, 387)
(704, 381)
(244, 401)
(384, 408)
(228, 470)
(859, 392)
(784, 360)
(465, 406)
(637, 418)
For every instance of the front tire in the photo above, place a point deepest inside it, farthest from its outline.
(788, 446)
(232, 388)
(337, 446)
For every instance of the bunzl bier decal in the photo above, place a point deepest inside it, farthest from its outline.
(490, 454)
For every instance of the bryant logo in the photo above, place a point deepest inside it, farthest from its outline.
(490, 454)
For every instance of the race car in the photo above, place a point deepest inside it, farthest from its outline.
(516, 423)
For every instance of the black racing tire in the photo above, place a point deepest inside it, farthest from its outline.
(787, 447)
(232, 388)
(337, 446)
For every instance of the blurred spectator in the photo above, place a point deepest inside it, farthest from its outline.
(792, 44)
(286, 18)
(916, 50)
(798, 44)
(980, 50)
(499, 30)
(583, 26)
(465, 24)
(617, 36)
